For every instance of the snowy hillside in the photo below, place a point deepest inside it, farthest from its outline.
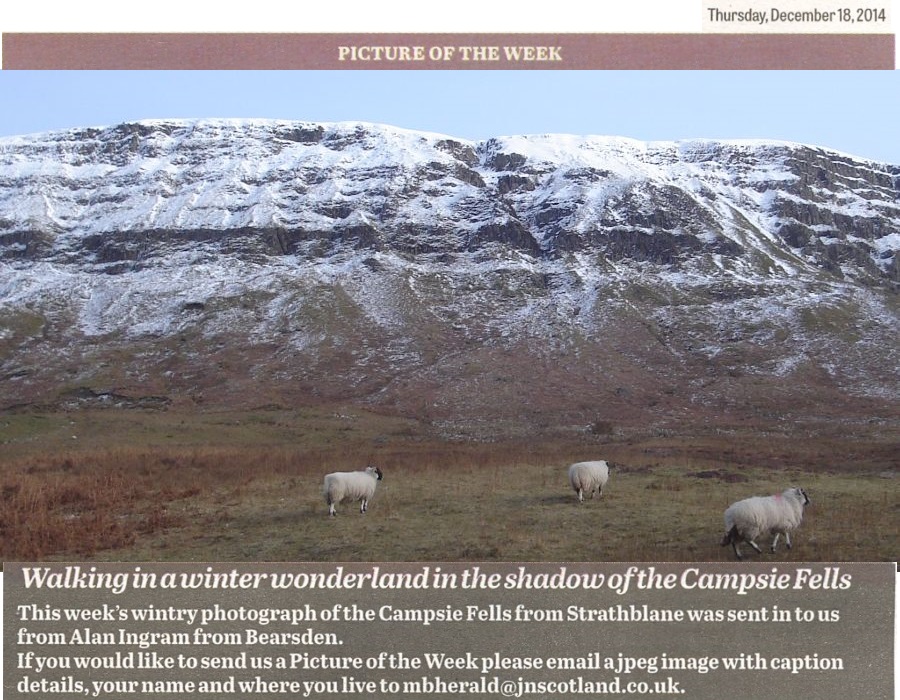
(195, 259)
(378, 187)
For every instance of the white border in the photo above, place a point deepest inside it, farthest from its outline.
(475, 16)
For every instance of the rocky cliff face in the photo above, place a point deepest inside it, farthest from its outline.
(530, 279)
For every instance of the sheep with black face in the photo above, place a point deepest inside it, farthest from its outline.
(339, 487)
(751, 518)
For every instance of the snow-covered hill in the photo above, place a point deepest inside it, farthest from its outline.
(307, 185)
(195, 259)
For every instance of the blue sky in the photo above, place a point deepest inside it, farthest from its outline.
(852, 111)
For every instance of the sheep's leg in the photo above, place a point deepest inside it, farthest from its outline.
(331, 510)
(753, 544)
(787, 539)
(775, 541)
(733, 537)
(581, 495)
(364, 505)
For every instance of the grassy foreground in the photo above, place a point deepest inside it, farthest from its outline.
(155, 486)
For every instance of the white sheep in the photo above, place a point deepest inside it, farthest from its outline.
(747, 520)
(351, 486)
(588, 477)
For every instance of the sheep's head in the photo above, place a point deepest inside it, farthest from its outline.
(801, 496)
(376, 471)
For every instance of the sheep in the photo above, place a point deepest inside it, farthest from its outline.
(746, 520)
(588, 476)
(351, 486)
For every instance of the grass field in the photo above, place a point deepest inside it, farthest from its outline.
(133, 485)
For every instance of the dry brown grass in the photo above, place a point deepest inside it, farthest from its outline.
(254, 495)
(83, 503)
